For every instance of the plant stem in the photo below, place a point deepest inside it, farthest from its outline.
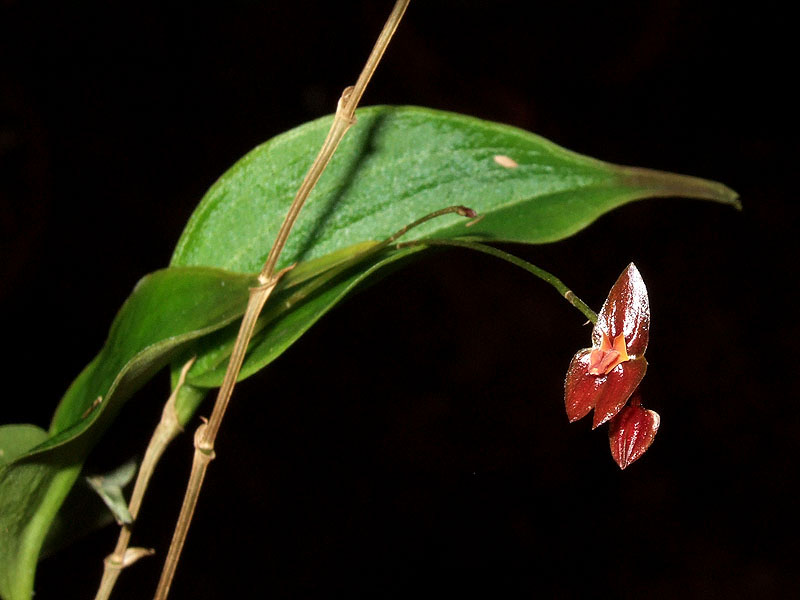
(567, 293)
(342, 121)
(204, 442)
(206, 433)
(166, 430)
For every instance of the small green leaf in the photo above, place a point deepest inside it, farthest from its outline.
(110, 489)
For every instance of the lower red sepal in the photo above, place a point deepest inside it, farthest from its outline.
(631, 432)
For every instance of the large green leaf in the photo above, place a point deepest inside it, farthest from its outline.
(166, 310)
(400, 163)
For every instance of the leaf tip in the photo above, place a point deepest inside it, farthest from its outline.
(734, 199)
(664, 184)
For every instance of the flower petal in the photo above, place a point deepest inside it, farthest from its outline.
(616, 388)
(581, 390)
(626, 311)
(631, 432)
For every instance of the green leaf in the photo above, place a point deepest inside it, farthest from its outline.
(167, 309)
(400, 163)
(299, 285)
(110, 489)
(16, 440)
(285, 318)
(81, 512)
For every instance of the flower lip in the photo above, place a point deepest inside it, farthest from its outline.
(604, 359)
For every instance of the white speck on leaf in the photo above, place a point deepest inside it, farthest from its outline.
(505, 161)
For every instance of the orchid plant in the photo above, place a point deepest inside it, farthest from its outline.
(250, 275)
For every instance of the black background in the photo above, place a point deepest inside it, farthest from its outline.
(414, 440)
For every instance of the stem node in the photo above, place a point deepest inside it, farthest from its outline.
(202, 444)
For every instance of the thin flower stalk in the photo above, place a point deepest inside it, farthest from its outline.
(559, 285)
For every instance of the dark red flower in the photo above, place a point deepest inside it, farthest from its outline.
(631, 432)
(604, 376)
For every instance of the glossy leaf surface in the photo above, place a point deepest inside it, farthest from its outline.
(400, 163)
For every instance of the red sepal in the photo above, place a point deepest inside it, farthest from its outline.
(631, 432)
(607, 394)
(626, 311)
